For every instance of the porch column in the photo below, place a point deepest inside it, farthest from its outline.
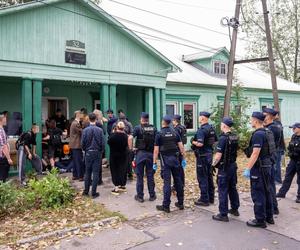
(157, 108)
(163, 101)
(112, 98)
(104, 97)
(26, 104)
(149, 103)
(37, 112)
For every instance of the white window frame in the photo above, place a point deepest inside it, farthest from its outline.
(224, 68)
(195, 122)
(217, 62)
(175, 104)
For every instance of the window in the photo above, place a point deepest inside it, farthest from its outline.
(220, 68)
(223, 69)
(171, 108)
(190, 116)
(217, 68)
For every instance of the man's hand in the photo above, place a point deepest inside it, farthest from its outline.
(183, 163)
(246, 173)
(154, 166)
(30, 156)
(10, 162)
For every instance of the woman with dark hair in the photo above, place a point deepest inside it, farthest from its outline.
(119, 143)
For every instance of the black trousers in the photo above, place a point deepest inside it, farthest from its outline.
(4, 169)
(118, 168)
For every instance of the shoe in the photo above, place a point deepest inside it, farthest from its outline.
(298, 200)
(85, 193)
(255, 223)
(234, 212)
(276, 211)
(180, 206)
(115, 191)
(24, 183)
(141, 200)
(130, 177)
(95, 195)
(74, 178)
(162, 208)
(122, 189)
(211, 202)
(153, 198)
(220, 217)
(279, 195)
(100, 183)
(201, 203)
(270, 221)
(81, 179)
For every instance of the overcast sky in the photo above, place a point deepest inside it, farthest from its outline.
(206, 13)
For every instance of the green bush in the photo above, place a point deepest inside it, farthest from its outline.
(238, 111)
(8, 198)
(52, 191)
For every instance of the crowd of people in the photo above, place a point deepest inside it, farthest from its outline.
(138, 150)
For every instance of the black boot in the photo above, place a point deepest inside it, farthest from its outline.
(201, 203)
(162, 208)
(180, 206)
(220, 217)
(234, 212)
(276, 211)
(255, 223)
(279, 195)
(298, 200)
(270, 221)
(139, 199)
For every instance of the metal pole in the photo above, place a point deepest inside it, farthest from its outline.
(231, 60)
(271, 56)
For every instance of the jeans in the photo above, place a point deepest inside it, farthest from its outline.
(144, 161)
(227, 180)
(77, 163)
(35, 162)
(92, 167)
(205, 178)
(171, 168)
(292, 169)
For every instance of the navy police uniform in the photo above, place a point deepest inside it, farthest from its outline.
(182, 132)
(227, 173)
(260, 174)
(145, 136)
(167, 140)
(207, 136)
(280, 152)
(293, 167)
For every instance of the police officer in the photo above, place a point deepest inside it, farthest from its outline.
(181, 130)
(281, 150)
(293, 167)
(168, 144)
(258, 170)
(225, 161)
(269, 123)
(144, 144)
(203, 143)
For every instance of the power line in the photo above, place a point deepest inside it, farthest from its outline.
(193, 5)
(174, 19)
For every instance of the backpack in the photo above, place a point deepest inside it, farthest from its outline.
(20, 141)
(56, 140)
(211, 137)
(183, 134)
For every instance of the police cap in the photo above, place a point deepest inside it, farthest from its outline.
(296, 125)
(227, 121)
(109, 111)
(167, 118)
(204, 113)
(259, 115)
(270, 111)
(177, 117)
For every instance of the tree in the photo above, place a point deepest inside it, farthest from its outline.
(285, 23)
(240, 104)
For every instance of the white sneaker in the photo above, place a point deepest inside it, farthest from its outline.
(24, 183)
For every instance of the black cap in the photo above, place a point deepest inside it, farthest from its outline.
(144, 115)
(227, 121)
(259, 115)
(204, 113)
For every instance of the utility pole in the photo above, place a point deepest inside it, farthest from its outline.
(271, 56)
(232, 58)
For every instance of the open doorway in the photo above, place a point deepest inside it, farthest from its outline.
(51, 104)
